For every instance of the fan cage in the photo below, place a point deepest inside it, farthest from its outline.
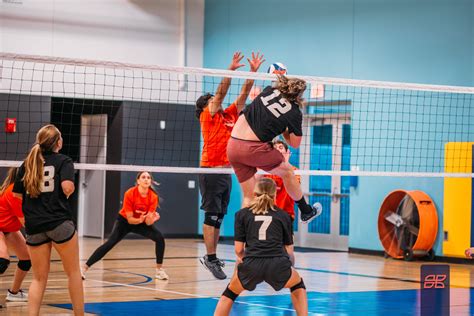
(428, 229)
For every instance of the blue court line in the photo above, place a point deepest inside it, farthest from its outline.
(147, 278)
(350, 274)
(369, 303)
(358, 275)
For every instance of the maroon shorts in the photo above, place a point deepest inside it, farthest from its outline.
(245, 156)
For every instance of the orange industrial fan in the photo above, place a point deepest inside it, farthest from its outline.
(408, 225)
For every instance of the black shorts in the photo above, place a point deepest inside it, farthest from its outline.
(215, 192)
(276, 271)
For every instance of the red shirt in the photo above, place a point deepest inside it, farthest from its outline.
(283, 199)
(10, 210)
(133, 201)
(216, 132)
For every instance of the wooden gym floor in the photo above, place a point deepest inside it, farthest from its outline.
(338, 283)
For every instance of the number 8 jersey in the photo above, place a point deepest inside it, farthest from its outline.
(270, 114)
(51, 208)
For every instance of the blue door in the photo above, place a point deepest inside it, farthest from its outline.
(327, 147)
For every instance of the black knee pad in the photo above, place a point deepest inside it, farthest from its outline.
(298, 286)
(213, 219)
(24, 265)
(4, 263)
(228, 293)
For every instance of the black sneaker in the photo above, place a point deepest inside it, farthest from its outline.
(221, 262)
(308, 217)
(213, 266)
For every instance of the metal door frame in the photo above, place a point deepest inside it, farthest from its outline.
(333, 240)
(82, 174)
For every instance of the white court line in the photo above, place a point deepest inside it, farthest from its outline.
(188, 294)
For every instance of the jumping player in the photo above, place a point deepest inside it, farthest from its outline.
(216, 126)
(273, 112)
(263, 241)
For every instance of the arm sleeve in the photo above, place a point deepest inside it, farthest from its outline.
(232, 110)
(67, 170)
(18, 187)
(287, 235)
(239, 229)
(128, 202)
(295, 124)
(205, 115)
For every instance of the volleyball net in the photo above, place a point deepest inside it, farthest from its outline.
(130, 117)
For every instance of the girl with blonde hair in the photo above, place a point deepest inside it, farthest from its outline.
(44, 182)
(264, 246)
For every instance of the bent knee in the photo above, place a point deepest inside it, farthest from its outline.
(24, 265)
(283, 170)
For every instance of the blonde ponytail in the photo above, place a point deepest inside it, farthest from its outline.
(34, 171)
(264, 200)
(46, 141)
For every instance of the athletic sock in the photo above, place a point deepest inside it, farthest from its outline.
(212, 257)
(303, 206)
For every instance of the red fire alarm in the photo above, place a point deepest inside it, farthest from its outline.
(10, 125)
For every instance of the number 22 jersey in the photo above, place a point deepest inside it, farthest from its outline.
(270, 114)
(51, 208)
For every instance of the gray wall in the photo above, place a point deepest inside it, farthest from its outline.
(66, 115)
(31, 112)
(145, 143)
(135, 137)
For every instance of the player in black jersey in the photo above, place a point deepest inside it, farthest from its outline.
(44, 182)
(275, 111)
(263, 244)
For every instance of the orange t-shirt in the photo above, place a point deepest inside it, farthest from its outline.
(133, 202)
(10, 210)
(283, 199)
(216, 132)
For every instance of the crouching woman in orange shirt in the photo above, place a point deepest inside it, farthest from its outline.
(11, 220)
(137, 215)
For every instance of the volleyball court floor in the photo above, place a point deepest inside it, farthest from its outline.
(338, 283)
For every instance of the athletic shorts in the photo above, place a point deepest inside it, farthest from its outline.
(246, 156)
(215, 192)
(276, 271)
(60, 234)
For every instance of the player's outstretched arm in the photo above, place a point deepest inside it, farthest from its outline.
(255, 63)
(223, 87)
